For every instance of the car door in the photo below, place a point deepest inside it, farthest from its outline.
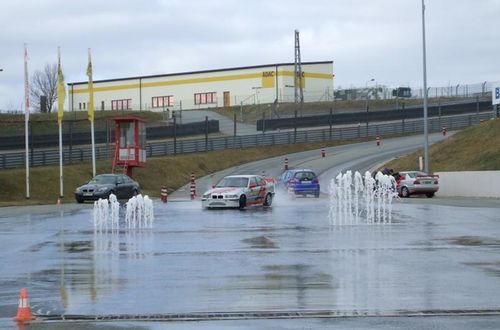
(254, 188)
(121, 187)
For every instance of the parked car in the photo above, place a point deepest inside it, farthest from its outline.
(416, 183)
(240, 191)
(300, 182)
(103, 185)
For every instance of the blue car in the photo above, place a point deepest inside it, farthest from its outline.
(300, 182)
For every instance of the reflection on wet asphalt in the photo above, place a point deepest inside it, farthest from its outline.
(287, 257)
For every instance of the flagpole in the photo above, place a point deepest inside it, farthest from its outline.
(91, 111)
(60, 111)
(61, 192)
(26, 119)
(93, 146)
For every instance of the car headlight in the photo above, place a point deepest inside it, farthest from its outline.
(102, 189)
(206, 196)
(231, 196)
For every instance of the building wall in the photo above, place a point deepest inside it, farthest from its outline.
(249, 85)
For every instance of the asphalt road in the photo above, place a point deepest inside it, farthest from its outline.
(284, 267)
(356, 157)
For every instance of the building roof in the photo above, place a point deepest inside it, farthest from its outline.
(195, 72)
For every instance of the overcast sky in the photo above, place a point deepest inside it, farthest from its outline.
(380, 39)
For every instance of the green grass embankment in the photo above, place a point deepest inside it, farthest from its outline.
(476, 148)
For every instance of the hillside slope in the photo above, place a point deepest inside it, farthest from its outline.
(473, 149)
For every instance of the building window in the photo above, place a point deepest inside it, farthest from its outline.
(205, 98)
(125, 104)
(162, 101)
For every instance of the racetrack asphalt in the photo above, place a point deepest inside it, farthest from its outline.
(436, 265)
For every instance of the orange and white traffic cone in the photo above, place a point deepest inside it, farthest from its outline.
(24, 309)
(192, 189)
(286, 163)
(59, 201)
(323, 153)
(377, 140)
(164, 194)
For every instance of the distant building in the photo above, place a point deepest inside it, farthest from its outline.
(206, 89)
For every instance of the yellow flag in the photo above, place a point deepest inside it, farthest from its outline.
(61, 90)
(91, 91)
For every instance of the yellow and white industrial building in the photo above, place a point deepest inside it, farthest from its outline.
(207, 89)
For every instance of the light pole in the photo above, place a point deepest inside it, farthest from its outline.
(367, 91)
(426, 130)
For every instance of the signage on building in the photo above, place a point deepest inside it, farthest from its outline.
(495, 93)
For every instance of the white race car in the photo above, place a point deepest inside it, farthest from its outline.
(240, 191)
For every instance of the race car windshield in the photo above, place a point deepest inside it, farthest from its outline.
(233, 182)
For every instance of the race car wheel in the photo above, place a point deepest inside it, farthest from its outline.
(243, 201)
(316, 194)
(430, 195)
(405, 192)
(268, 200)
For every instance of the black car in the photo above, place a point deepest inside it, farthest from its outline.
(103, 185)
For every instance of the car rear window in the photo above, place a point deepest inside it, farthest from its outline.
(305, 175)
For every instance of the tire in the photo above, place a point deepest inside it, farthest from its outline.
(243, 202)
(429, 195)
(316, 194)
(268, 200)
(135, 193)
(405, 192)
(112, 192)
(80, 200)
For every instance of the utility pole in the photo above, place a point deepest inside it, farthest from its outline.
(299, 93)
(426, 132)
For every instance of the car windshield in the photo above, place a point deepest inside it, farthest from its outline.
(103, 179)
(232, 182)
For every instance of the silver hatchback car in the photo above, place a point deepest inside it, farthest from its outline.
(416, 183)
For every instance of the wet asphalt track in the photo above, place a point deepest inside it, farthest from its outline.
(437, 258)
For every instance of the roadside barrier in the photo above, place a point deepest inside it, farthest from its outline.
(164, 194)
(43, 157)
(24, 310)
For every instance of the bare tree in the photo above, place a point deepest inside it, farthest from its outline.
(44, 83)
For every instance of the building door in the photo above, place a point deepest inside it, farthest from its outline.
(227, 101)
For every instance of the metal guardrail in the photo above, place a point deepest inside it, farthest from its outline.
(155, 149)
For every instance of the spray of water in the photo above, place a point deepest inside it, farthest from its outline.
(358, 199)
(106, 214)
(139, 213)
